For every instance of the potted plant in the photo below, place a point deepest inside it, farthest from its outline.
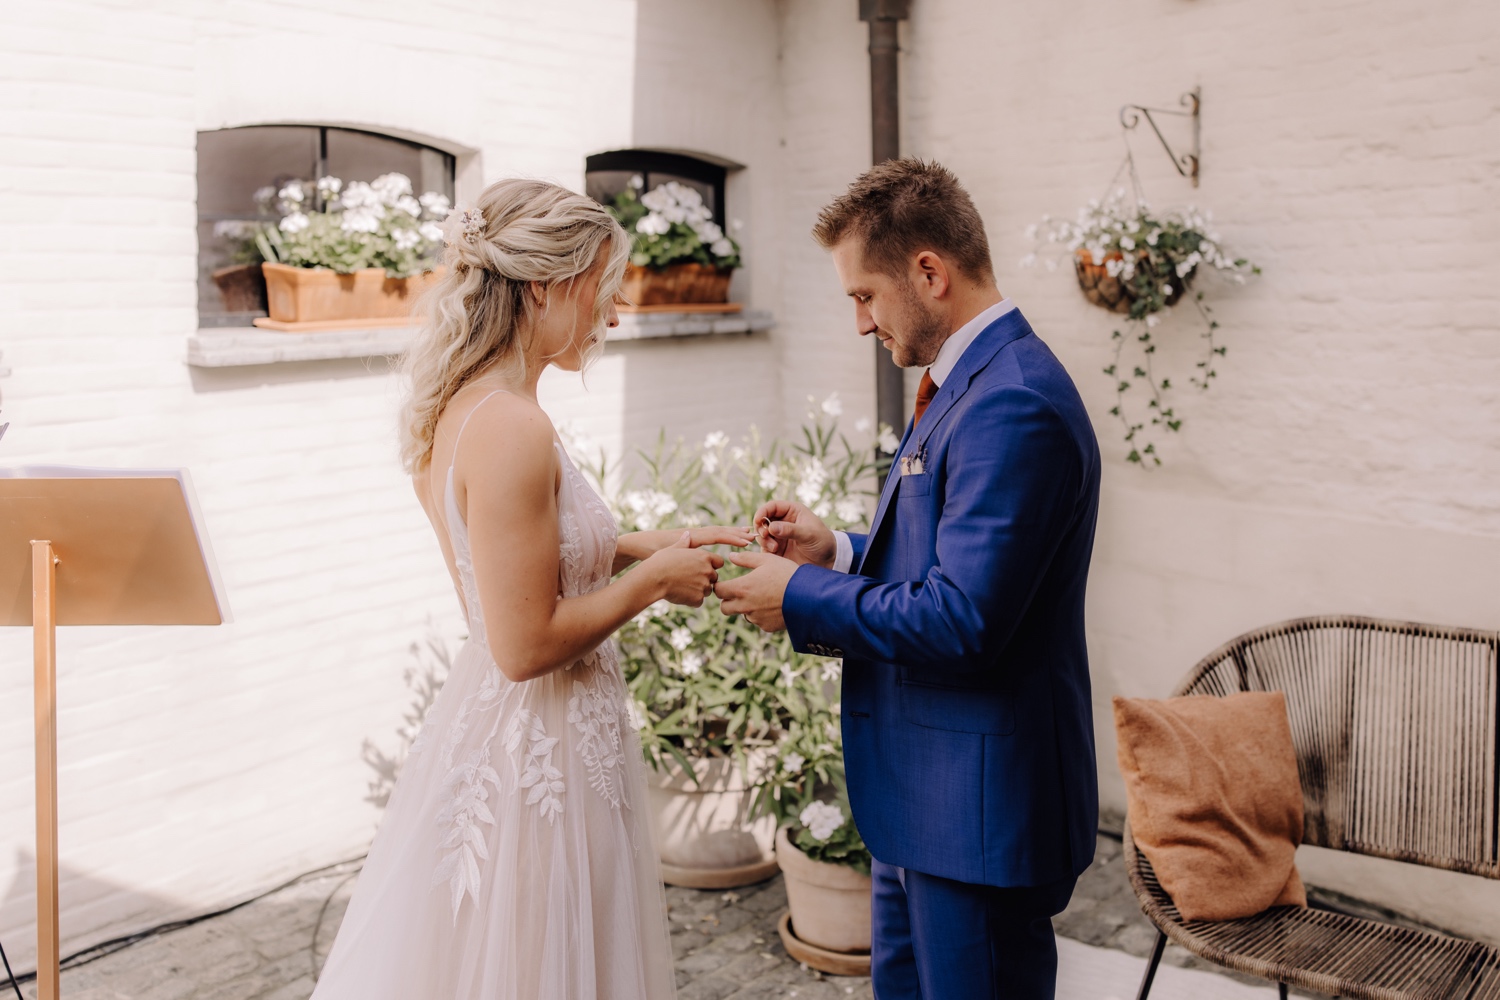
(678, 254)
(818, 848)
(1132, 261)
(342, 255)
(715, 698)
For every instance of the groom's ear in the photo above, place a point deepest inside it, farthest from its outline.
(931, 273)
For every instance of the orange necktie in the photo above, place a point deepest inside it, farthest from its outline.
(926, 389)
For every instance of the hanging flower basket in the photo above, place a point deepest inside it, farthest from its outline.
(1102, 286)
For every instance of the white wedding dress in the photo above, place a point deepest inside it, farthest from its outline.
(515, 860)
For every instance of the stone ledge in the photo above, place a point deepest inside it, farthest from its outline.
(227, 347)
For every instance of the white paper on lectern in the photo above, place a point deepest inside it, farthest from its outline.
(189, 495)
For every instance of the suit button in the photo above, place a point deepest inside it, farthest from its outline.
(836, 652)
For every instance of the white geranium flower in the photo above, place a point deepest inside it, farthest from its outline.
(653, 224)
(263, 195)
(770, 476)
(851, 510)
(405, 239)
(1126, 243)
(329, 186)
(294, 223)
(886, 440)
(1113, 267)
(360, 220)
(793, 762)
(821, 819)
(681, 638)
(358, 194)
(833, 406)
(436, 203)
(658, 199)
(234, 229)
(431, 231)
(410, 206)
(1166, 289)
(691, 663)
(637, 181)
(722, 248)
(674, 214)
(292, 192)
(1152, 237)
(391, 187)
(708, 232)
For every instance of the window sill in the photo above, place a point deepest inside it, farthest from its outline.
(229, 347)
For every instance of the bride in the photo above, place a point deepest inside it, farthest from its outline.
(515, 859)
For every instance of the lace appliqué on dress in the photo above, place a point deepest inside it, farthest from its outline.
(597, 717)
(467, 808)
(537, 770)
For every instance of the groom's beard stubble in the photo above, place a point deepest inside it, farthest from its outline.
(922, 335)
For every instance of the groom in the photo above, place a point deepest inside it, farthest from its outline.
(968, 737)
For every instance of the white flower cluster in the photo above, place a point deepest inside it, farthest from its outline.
(1114, 233)
(362, 207)
(792, 761)
(649, 507)
(821, 819)
(677, 204)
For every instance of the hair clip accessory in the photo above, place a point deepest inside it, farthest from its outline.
(472, 223)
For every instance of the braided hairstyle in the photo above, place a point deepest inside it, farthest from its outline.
(480, 313)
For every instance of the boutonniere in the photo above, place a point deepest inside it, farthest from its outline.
(911, 465)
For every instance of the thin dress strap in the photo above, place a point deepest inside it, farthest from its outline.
(453, 458)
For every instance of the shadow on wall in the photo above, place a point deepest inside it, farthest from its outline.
(81, 895)
(230, 379)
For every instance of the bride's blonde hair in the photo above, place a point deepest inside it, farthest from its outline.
(480, 310)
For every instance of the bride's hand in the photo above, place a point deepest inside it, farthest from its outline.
(684, 574)
(643, 544)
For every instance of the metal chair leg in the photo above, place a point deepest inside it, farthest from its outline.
(1161, 946)
(1282, 987)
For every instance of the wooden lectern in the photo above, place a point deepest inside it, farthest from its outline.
(93, 547)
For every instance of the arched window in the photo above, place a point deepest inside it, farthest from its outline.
(607, 174)
(235, 163)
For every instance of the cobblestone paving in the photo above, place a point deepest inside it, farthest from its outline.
(725, 943)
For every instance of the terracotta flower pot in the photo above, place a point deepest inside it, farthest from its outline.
(830, 904)
(242, 287)
(676, 283)
(321, 295)
(704, 831)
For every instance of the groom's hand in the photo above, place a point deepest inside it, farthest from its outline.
(757, 594)
(791, 530)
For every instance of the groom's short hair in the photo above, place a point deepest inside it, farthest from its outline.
(899, 208)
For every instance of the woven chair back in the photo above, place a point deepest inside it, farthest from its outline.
(1395, 726)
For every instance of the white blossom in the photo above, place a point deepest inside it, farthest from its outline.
(793, 762)
(833, 406)
(1126, 243)
(722, 247)
(360, 220)
(292, 192)
(814, 476)
(263, 195)
(405, 239)
(681, 638)
(715, 440)
(850, 510)
(431, 231)
(637, 181)
(234, 229)
(436, 203)
(410, 206)
(651, 611)
(822, 509)
(1166, 290)
(1152, 237)
(294, 223)
(649, 506)
(862, 425)
(886, 440)
(636, 711)
(832, 669)
(770, 476)
(821, 819)
(691, 663)
(1152, 319)
(389, 188)
(329, 186)
(710, 463)
(653, 224)
(737, 453)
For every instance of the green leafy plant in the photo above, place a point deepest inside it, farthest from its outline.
(670, 225)
(341, 226)
(705, 685)
(1155, 259)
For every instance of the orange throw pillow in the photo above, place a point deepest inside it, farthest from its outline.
(1215, 801)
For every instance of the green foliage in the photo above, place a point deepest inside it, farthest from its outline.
(706, 685)
(670, 225)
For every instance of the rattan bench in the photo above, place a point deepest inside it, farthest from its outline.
(1395, 729)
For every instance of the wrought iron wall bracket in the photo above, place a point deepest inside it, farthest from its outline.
(1186, 163)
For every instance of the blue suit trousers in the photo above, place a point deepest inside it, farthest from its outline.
(938, 939)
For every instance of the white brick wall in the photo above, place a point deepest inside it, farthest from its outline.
(202, 765)
(1347, 459)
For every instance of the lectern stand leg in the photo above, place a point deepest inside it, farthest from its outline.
(44, 630)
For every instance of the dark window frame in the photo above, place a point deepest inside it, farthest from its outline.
(650, 161)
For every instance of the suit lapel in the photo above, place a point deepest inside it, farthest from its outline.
(1007, 328)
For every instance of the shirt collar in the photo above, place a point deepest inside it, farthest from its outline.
(953, 348)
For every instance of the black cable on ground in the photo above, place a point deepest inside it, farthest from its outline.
(104, 948)
(13, 984)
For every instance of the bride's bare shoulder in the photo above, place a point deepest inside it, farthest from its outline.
(500, 434)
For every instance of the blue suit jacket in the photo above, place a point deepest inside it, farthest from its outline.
(967, 718)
